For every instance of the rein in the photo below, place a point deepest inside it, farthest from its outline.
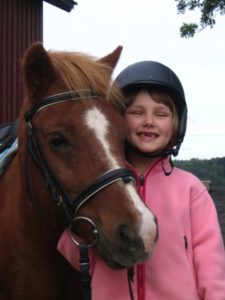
(70, 205)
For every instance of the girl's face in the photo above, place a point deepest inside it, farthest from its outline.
(150, 124)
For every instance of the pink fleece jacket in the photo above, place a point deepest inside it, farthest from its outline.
(188, 262)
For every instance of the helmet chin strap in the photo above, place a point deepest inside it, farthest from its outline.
(168, 172)
(162, 153)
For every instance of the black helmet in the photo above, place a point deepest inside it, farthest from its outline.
(158, 75)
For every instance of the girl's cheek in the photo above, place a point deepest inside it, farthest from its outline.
(130, 124)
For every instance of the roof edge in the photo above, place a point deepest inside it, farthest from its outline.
(66, 5)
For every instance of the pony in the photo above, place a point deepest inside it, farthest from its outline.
(69, 171)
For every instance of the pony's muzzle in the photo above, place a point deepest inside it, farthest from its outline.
(128, 240)
(130, 247)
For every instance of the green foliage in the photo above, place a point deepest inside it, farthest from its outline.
(212, 169)
(188, 30)
(208, 9)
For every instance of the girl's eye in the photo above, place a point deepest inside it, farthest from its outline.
(135, 112)
(161, 114)
(58, 142)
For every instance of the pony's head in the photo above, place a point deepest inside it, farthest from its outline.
(76, 139)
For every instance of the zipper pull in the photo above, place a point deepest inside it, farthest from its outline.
(185, 242)
(142, 180)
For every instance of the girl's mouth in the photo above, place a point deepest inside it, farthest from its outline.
(150, 135)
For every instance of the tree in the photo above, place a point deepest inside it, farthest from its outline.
(208, 9)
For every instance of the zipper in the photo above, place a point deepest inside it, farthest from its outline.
(141, 268)
(142, 180)
(141, 282)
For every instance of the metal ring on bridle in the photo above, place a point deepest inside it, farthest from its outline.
(95, 231)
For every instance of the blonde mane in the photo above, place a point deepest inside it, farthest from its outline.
(79, 71)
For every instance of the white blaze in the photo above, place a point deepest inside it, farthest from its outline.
(98, 123)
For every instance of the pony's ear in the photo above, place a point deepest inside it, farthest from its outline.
(38, 71)
(112, 58)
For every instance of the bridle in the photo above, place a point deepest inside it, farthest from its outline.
(70, 205)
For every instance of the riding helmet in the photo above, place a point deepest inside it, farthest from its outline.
(158, 75)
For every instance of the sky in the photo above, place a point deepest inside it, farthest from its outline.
(149, 30)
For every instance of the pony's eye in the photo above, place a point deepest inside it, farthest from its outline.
(57, 142)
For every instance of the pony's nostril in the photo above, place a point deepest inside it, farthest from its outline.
(128, 238)
(134, 246)
(125, 233)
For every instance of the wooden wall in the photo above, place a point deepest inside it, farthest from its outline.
(21, 23)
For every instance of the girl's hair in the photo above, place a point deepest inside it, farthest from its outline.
(159, 95)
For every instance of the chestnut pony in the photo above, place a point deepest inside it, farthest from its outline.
(69, 170)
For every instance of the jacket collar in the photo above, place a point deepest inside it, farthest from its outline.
(158, 166)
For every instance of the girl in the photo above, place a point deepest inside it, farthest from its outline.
(188, 262)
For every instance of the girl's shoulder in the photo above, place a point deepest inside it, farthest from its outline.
(185, 174)
(188, 178)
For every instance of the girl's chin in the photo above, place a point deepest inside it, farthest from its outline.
(142, 149)
(148, 149)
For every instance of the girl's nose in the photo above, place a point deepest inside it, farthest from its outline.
(148, 121)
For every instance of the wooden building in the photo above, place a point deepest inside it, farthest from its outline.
(21, 23)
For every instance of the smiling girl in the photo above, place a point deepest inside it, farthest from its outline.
(151, 121)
